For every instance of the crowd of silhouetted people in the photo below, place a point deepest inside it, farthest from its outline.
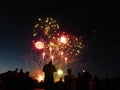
(16, 80)
(83, 81)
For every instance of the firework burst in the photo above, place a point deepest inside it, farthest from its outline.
(51, 43)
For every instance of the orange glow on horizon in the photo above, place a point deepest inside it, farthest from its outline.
(39, 78)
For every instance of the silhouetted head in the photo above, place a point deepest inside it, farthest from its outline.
(21, 70)
(16, 69)
(60, 79)
(79, 74)
(27, 73)
(50, 62)
(69, 71)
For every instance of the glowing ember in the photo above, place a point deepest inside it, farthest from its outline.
(61, 53)
(65, 61)
(63, 39)
(52, 57)
(39, 45)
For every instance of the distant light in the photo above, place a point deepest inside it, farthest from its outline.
(59, 72)
(83, 70)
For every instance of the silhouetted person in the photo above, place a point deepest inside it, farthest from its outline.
(87, 80)
(70, 81)
(97, 83)
(29, 83)
(49, 70)
(59, 85)
(21, 73)
(21, 78)
(107, 83)
(79, 82)
(15, 77)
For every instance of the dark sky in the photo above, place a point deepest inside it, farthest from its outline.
(99, 26)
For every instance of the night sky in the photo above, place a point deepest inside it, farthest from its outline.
(99, 26)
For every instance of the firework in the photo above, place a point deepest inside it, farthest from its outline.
(51, 43)
(45, 28)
